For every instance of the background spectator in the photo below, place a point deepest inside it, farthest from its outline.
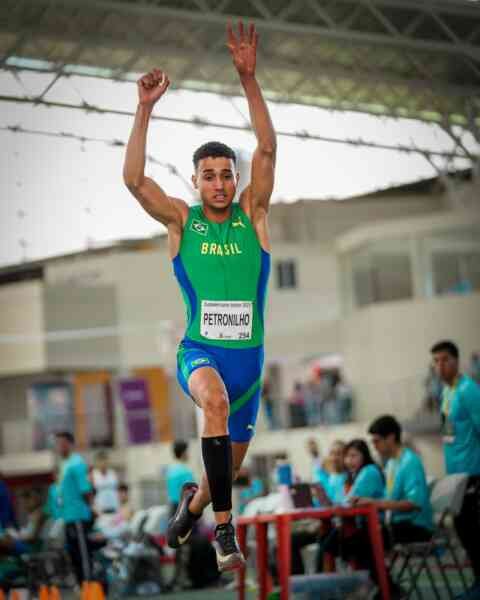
(337, 474)
(296, 404)
(105, 482)
(177, 474)
(364, 476)
(475, 367)
(407, 497)
(75, 493)
(460, 413)
(53, 506)
(7, 514)
(28, 538)
(269, 405)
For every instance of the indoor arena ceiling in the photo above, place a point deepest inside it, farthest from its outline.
(407, 58)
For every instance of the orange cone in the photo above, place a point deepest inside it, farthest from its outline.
(97, 592)
(85, 591)
(2, 594)
(44, 593)
(14, 595)
(55, 593)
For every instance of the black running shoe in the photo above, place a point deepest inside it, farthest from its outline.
(181, 524)
(229, 556)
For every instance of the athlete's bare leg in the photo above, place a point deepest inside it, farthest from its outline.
(208, 391)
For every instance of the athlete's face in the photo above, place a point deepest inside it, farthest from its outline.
(216, 181)
(446, 366)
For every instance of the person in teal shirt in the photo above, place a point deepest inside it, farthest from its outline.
(53, 504)
(75, 493)
(406, 497)
(460, 412)
(178, 474)
(365, 478)
(337, 475)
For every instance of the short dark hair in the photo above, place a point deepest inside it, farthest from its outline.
(66, 435)
(446, 346)
(179, 448)
(123, 487)
(213, 150)
(385, 426)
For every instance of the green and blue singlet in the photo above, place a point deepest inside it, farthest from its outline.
(223, 273)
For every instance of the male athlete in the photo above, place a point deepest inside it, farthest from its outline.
(220, 254)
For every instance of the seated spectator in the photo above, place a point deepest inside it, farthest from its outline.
(125, 510)
(28, 538)
(177, 474)
(364, 477)
(334, 465)
(328, 488)
(319, 473)
(250, 487)
(105, 483)
(406, 498)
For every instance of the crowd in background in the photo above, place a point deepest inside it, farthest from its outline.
(325, 398)
(94, 507)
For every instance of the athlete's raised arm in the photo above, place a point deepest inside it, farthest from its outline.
(243, 48)
(169, 211)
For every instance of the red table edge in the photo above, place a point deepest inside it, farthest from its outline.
(368, 510)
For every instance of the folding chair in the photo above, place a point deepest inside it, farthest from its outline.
(447, 499)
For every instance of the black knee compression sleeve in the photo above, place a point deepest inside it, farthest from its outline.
(217, 458)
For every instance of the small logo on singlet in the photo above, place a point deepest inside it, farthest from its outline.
(199, 227)
(200, 361)
(239, 223)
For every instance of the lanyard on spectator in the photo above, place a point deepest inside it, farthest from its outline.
(448, 393)
(392, 472)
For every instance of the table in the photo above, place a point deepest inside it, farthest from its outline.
(283, 521)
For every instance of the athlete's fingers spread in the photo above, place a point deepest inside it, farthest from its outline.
(241, 32)
(231, 39)
(251, 33)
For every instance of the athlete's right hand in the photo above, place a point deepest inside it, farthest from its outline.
(152, 86)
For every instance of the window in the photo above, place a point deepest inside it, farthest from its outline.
(382, 273)
(456, 272)
(286, 274)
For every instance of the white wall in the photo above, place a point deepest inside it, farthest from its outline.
(386, 348)
(21, 315)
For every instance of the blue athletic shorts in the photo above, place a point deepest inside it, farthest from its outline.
(240, 370)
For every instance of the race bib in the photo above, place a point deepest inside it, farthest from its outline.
(226, 320)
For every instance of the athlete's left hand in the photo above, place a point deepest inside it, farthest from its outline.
(243, 48)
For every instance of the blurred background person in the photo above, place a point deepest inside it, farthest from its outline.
(460, 412)
(53, 505)
(475, 367)
(269, 405)
(296, 405)
(28, 538)
(105, 482)
(75, 492)
(177, 474)
(7, 513)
